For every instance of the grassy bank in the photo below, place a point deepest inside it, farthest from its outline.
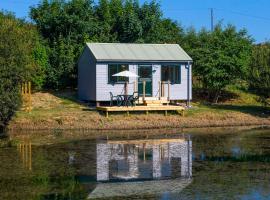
(62, 111)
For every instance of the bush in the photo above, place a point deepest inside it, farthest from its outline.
(259, 72)
(18, 40)
(220, 57)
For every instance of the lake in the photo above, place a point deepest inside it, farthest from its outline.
(194, 164)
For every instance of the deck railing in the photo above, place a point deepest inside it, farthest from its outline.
(162, 89)
(162, 86)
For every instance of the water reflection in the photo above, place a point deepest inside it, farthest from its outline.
(223, 166)
(25, 150)
(165, 165)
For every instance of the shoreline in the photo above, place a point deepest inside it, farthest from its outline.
(111, 127)
(46, 137)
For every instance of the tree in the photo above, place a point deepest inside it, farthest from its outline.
(130, 29)
(66, 26)
(19, 62)
(259, 71)
(220, 57)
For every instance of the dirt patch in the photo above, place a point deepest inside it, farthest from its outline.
(45, 100)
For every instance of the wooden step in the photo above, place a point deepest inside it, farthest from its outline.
(153, 105)
(155, 102)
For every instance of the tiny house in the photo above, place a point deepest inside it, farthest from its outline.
(164, 71)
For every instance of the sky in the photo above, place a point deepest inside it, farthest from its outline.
(254, 15)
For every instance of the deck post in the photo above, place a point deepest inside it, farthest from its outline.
(162, 88)
(126, 87)
(168, 91)
(107, 114)
(135, 86)
(128, 113)
(159, 89)
(144, 84)
(166, 113)
(147, 112)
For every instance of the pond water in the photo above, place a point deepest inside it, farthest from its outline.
(226, 164)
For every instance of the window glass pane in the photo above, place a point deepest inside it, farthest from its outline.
(145, 71)
(164, 73)
(171, 73)
(177, 74)
(112, 70)
(122, 67)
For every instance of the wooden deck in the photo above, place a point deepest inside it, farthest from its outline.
(145, 109)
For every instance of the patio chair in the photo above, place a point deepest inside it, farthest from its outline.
(134, 98)
(115, 98)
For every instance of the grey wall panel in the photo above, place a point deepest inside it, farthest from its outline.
(87, 76)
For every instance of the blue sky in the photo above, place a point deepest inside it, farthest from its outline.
(254, 15)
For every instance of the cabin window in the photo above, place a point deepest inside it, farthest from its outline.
(114, 69)
(171, 73)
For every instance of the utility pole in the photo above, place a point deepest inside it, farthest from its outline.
(212, 19)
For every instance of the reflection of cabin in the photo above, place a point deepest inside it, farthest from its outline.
(165, 165)
(125, 156)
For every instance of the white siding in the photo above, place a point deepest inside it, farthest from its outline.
(103, 88)
(156, 78)
(180, 91)
(177, 91)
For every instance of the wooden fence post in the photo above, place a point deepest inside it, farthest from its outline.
(26, 96)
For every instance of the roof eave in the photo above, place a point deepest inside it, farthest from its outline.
(142, 61)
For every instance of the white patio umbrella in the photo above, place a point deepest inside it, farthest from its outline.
(126, 74)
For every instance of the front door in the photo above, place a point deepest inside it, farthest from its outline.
(145, 74)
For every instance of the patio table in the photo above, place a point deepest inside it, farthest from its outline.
(125, 99)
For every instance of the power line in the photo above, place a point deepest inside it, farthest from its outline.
(222, 10)
(243, 14)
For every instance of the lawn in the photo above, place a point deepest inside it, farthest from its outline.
(61, 110)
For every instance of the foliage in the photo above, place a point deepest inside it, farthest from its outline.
(67, 25)
(40, 56)
(259, 73)
(220, 57)
(19, 61)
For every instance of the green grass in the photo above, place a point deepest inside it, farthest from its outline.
(62, 110)
(243, 96)
(234, 99)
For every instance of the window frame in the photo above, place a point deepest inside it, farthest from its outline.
(108, 75)
(174, 67)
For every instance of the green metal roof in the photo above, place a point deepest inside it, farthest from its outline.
(138, 52)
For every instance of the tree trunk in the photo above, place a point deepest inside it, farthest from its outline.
(216, 97)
